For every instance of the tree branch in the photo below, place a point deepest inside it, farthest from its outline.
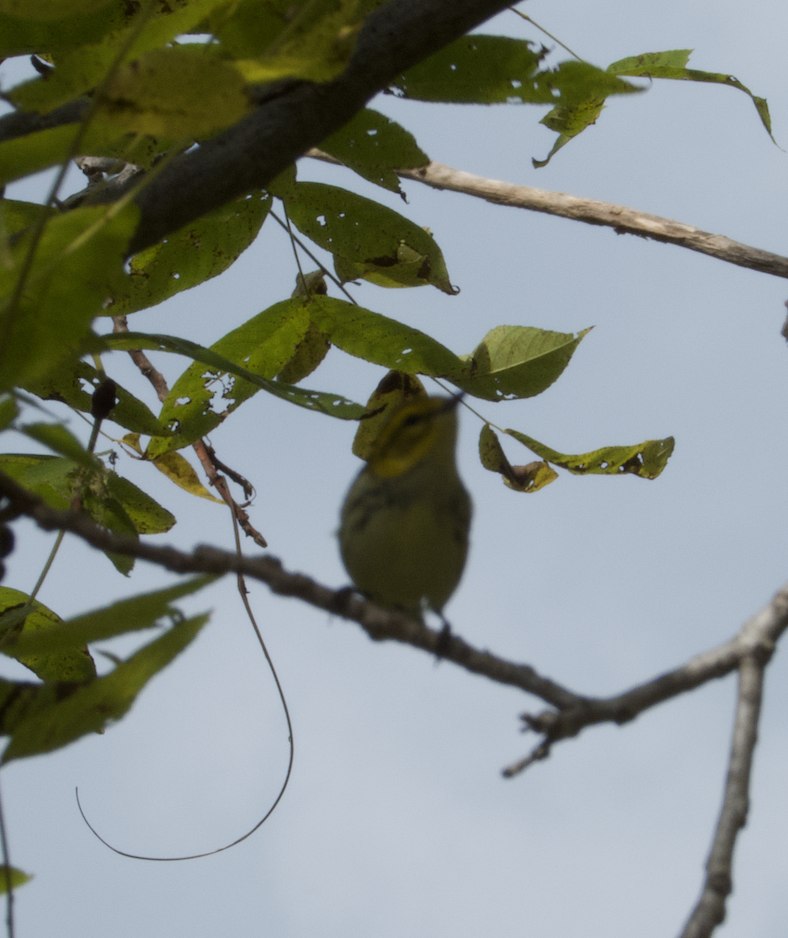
(573, 712)
(756, 639)
(296, 115)
(710, 910)
(622, 219)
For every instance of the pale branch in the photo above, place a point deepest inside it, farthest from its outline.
(572, 713)
(710, 909)
(620, 218)
(756, 639)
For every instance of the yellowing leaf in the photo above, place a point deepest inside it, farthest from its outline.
(529, 478)
(181, 472)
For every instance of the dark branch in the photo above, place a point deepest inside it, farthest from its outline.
(250, 154)
(379, 624)
(573, 712)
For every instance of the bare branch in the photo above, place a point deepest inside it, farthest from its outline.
(573, 712)
(756, 639)
(710, 910)
(204, 453)
(620, 218)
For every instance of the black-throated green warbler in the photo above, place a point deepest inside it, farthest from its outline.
(405, 521)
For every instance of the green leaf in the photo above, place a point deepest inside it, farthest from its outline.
(180, 471)
(530, 478)
(175, 92)
(53, 723)
(383, 341)
(146, 514)
(61, 441)
(672, 65)
(568, 122)
(175, 467)
(16, 216)
(646, 460)
(518, 361)
(64, 384)
(263, 345)
(201, 250)
(315, 45)
(79, 256)
(584, 90)
(83, 66)
(22, 33)
(50, 9)
(9, 410)
(498, 70)
(373, 146)
(120, 618)
(23, 619)
(367, 239)
(18, 878)
(49, 477)
(332, 404)
(476, 70)
(34, 152)
(113, 502)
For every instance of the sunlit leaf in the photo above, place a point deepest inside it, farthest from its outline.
(20, 619)
(672, 65)
(84, 66)
(332, 404)
(315, 44)
(175, 92)
(646, 460)
(518, 361)
(367, 239)
(54, 723)
(201, 250)
(120, 618)
(79, 257)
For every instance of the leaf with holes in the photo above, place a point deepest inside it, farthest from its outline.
(201, 250)
(367, 239)
(373, 146)
(646, 460)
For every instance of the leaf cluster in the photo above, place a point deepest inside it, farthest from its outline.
(134, 85)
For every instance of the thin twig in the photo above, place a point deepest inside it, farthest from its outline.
(204, 453)
(8, 875)
(620, 218)
(710, 910)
